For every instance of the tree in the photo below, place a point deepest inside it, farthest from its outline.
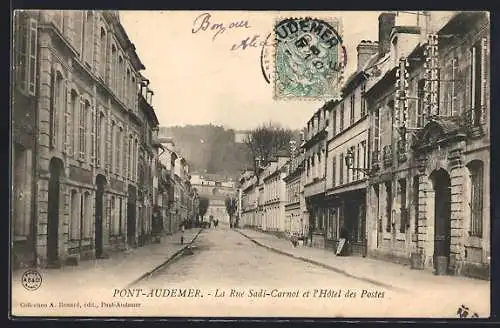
(231, 206)
(203, 203)
(265, 141)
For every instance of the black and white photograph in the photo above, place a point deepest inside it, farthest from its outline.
(284, 164)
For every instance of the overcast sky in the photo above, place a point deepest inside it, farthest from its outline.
(197, 79)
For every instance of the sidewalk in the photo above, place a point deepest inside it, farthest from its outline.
(95, 276)
(381, 273)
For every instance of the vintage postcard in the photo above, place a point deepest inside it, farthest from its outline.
(250, 164)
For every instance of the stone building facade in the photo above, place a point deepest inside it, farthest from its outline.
(430, 199)
(146, 166)
(274, 195)
(294, 221)
(24, 136)
(85, 74)
(315, 153)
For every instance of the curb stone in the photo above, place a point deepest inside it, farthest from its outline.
(167, 261)
(325, 266)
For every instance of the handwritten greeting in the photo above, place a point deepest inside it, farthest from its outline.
(255, 41)
(203, 23)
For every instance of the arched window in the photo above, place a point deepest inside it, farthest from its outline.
(476, 203)
(113, 146)
(119, 79)
(100, 138)
(128, 92)
(102, 53)
(88, 129)
(134, 93)
(82, 128)
(119, 147)
(74, 222)
(75, 105)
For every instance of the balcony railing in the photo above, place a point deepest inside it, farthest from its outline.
(387, 155)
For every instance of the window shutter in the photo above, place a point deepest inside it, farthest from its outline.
(17, 44)
(453, 86)
(98, 138)
(93, 119)
(67, 119)
(484, 78)
(52, 109)
(32, 53)
(108, 140)
(81, 129)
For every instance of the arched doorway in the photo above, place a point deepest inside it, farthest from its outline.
(100, 182)
(56, 168)
(442, 220)
(131, 215)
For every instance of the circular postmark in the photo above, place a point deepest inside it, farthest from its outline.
(31, 280)
(309, 58)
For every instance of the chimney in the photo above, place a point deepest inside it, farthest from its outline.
(366, 49)
(386, 22)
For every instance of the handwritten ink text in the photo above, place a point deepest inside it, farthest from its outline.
(203, 23)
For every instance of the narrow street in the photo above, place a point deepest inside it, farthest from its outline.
(224, 261)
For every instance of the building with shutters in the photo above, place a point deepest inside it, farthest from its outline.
(248, 209)
(83, 71)
(429, 202)
(294, 195)
(347, 163)
(314, 147)
(167, 158)
(146, 164)
(274, 194)
(24, 138)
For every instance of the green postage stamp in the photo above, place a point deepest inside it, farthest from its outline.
(309, 58)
